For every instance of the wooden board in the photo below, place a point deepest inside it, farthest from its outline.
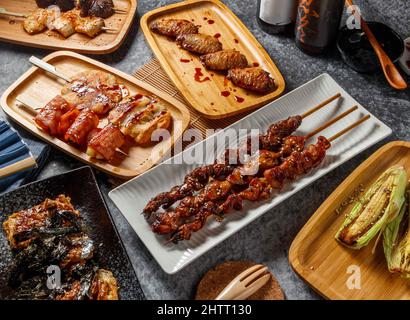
(323, 262)
(11, 30)
(41, 87)
(206, 96)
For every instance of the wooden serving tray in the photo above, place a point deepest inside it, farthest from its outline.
(40, 87)
(11, 30)
(323, 262)
(206, 96)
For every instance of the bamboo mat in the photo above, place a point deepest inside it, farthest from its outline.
(153, 74)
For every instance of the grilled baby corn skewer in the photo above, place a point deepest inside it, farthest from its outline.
(379, 206)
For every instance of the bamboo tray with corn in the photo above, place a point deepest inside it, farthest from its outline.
(383, 211)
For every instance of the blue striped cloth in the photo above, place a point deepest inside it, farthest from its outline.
(13, 149)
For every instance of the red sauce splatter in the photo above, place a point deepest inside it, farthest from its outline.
(205, 18)
(217, 35)
(225, 93)
(211, 21)
(225, 81)
(212, 74)
(236, 40)
(239, 99)
(184, 60)
(192, 20)
(234, 90)
(255, 64)
(12, 22)
(199, 74)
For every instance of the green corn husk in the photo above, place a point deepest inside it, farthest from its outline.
(379, 206)
(396, 242)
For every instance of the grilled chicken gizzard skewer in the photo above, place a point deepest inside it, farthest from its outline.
(196, 180)
(241, 177)
(298, 163)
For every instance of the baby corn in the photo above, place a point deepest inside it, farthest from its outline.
(396, 242)
(378, 207)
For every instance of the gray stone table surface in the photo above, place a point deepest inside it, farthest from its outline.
(267, 240)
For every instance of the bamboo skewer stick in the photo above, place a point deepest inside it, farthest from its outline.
(347, 129)
(321, 105)
(329, 123)
(17, 167)
(34, 110)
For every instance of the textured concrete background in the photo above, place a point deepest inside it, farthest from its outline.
(268, 239)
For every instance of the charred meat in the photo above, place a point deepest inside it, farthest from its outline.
(199, 43)
(254, 79)
(173, 27)
(96, 8)
(224, 60)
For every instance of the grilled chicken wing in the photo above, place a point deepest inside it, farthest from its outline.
(199, 43)
(224, 60)
(173, 27)
(254, 79)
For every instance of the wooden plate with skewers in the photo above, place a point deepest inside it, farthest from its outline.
(326, 109)
(37, 87)
(117, 27)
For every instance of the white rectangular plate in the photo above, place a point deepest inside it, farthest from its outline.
(132, 196)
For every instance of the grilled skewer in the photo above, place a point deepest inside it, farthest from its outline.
(298, 163)
(195, 181)
(240, 176)
(102, 145)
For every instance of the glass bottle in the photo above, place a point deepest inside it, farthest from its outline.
(276, 16)
(317, 24)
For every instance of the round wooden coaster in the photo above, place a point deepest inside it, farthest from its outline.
(216, 279)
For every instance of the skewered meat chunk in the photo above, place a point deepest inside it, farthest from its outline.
(49, 117)
(25, 221)
(91, 26)
(199, 43)
(138, 117)
(86, 121)
(105, 142)
(255, 79)
(65, 23)
(96, 8)
(95, 89)
(36, 22)
(45, 3)
(224, 60)
(173, 27)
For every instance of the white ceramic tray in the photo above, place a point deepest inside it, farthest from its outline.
(132, 196)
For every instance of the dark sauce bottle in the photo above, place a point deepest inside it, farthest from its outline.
(276, 16)
(317, 24)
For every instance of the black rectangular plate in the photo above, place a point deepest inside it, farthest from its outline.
(81, 186)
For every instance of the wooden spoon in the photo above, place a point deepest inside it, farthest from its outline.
(391, 73)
